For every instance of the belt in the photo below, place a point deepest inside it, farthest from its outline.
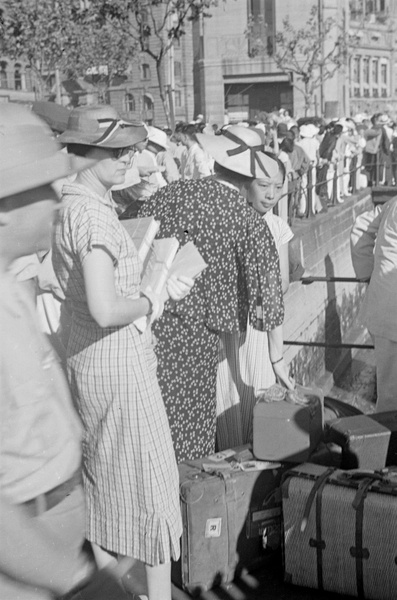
(43, 502)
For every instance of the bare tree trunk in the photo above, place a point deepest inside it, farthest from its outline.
(162, 91)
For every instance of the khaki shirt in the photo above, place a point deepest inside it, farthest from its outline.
(40, 433)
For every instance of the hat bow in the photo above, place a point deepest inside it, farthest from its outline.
(243, 147)
(112, 126)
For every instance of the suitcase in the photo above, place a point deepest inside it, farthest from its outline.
(231, 517)
(288, 431)
(364, 441)
(340, 531)
(389, 420)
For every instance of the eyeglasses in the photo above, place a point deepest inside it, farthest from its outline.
(119, 152)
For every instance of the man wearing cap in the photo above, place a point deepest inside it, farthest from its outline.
(41, 498)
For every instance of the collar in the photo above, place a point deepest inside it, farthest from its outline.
(74, 188)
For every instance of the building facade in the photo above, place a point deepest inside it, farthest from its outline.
(232, 83)
(138, 97)
(373, 72)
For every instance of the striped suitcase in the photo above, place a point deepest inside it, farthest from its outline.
(340, 531)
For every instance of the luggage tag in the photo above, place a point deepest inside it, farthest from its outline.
(221, 462)
(221, 467)
(221, 456)
(259, 465)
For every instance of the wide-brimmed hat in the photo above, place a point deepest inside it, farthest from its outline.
(384, 119)
(308, 131)
(55, 115)
(157, 136)
(29, 156)
(101, 126)
(239, 149)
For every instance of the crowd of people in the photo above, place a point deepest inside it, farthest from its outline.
(325, 160)
(106, 385)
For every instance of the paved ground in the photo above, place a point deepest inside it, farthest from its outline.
(357, 387)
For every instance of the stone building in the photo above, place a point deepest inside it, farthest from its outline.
(373, 72)
(138, 95)
(232, 84)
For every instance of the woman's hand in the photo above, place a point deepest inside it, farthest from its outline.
(179, 287)
(281, 371)
(156, 301)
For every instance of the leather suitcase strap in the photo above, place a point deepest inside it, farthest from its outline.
(231, 514)
(316, 493)
(358, 551)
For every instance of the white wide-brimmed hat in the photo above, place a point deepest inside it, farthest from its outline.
(29, 156)
(384, 119)
(101, 126)
(308, 131)
(157, 136)
(239, 149)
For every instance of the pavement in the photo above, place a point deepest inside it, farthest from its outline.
(356, 385)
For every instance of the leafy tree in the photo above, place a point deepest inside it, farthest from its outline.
(39, 32)
(64, 35)
(311, 54)
(105, 52)
(152, 26)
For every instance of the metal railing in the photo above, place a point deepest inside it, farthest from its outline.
(333, 188)
(313, 279)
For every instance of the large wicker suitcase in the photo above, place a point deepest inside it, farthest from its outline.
(231, 518)
(340, 531)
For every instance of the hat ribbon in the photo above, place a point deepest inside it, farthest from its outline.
(243, 147)
(114, 124)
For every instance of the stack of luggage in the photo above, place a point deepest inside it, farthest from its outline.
(318, 481)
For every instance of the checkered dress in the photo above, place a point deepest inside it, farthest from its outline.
(130, 472)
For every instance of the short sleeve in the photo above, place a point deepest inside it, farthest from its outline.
(96, 228)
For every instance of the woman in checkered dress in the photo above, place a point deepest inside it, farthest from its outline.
(130, 473)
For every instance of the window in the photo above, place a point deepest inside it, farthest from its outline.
(356, 69)
(178, 99)
(375, 93)
(145, 71)
(17, 77)
(383, 74)
(129, 103)
(375, 71)
(366, 70)
(177, 69)
(148, 109)
(384, 79)
(147, 103)
(3, 75)
(261, 39)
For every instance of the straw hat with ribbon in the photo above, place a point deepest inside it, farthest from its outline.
(157, 136)
(29, 156)
(240, 150)
(101, 126)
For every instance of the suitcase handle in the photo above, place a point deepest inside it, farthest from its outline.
(379, 475)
